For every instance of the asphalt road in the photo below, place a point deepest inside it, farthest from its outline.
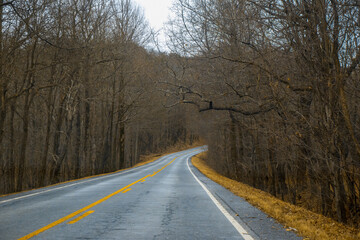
(166, 199)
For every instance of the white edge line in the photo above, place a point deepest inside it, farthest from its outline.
(231, 219)
(80, 182)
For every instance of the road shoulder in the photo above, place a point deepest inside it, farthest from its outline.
(257, 223)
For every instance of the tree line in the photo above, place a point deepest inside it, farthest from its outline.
(272, 86)
(77, 91)
(278, 84)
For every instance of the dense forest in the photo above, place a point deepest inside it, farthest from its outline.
(77, 92)
(271, 86)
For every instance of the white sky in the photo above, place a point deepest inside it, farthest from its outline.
(156, 12)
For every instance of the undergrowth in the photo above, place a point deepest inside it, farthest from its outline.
(305, 223)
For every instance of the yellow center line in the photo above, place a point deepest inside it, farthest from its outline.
(126, 190)
(80, 217)
(154, 173)
(63, 219)
(159, 170)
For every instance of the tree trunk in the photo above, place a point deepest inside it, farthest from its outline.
(233, 148)
(3, 88)
(340, 196)
(44, 161)
(56, 141)
(77, 158)
(12, 163)
(23, 144)
(121, 146)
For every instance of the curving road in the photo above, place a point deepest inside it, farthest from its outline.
(167, 199)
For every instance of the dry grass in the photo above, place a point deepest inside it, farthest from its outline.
(307, 224)
(147, 159)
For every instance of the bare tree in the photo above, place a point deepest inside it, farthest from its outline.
(76, 79)
(286, 74)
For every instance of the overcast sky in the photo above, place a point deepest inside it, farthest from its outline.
(156, 12)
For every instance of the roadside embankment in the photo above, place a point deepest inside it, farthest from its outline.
(304, 222)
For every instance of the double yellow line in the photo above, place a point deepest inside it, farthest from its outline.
(63, 219)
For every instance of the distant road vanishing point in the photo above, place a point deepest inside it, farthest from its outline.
(166, 199)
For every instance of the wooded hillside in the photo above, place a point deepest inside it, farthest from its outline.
(278, 82)
(78, 92)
